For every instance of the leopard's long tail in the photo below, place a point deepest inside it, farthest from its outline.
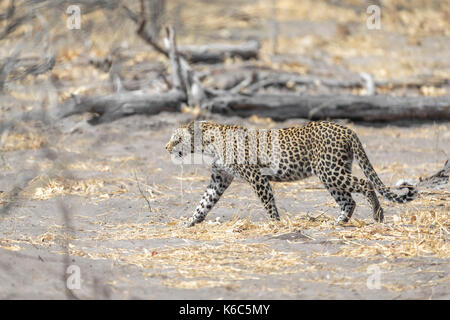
(370, 173)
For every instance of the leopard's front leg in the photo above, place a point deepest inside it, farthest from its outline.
(220, 180)
(261, 185)
(265, 194)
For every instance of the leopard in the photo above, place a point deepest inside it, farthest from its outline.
(322, 148)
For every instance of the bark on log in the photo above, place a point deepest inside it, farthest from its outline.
(367, 108)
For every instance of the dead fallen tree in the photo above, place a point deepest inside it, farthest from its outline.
(367, 108)
(276, 106)
(114, 106)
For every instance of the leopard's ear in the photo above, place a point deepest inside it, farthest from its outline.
(188, 125)
(193, 124)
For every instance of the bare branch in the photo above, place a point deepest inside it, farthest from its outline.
(141, 192)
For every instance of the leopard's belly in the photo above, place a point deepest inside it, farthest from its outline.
(294, 164)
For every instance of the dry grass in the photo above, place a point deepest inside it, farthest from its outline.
(235, 229)
(89, 166)
(416, 233)
(44, 188)
(7, 245)
(228, 261)
(20, 141)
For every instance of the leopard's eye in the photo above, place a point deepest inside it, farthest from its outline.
(176, 141)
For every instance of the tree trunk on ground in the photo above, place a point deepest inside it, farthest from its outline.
(367, 108)
(279, 107)
(111, 107)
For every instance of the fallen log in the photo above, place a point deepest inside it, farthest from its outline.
(366, 108)
(121, 104)
(279, 107)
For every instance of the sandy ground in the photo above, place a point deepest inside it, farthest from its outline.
(108, 200)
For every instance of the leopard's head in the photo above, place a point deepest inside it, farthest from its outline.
(194, 137)
(182, 141)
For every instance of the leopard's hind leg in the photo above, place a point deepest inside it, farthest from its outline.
(343, 184)
(346, 203)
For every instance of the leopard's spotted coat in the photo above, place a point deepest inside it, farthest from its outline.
(322, 148)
